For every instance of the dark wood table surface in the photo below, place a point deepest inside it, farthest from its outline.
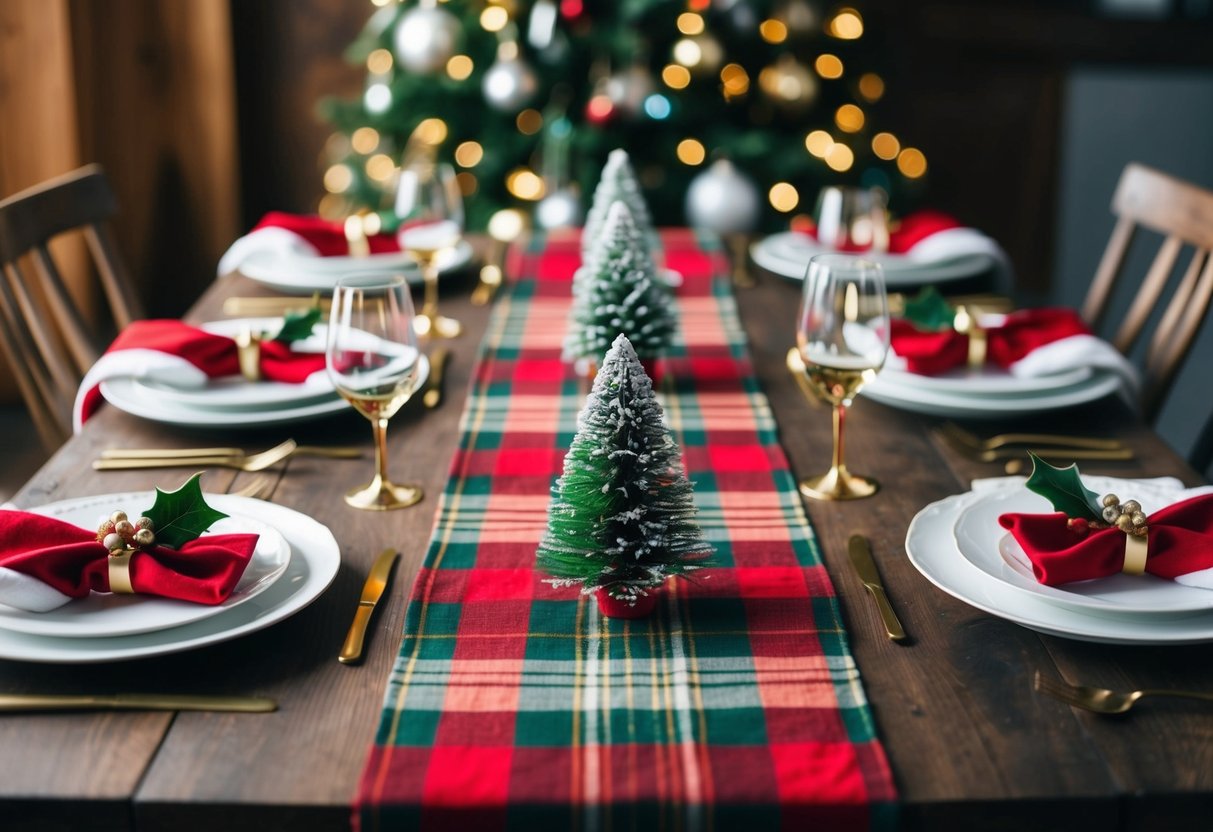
(971, 745)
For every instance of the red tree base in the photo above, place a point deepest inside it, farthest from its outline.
(614, 608)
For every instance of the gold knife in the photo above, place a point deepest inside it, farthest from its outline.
(333, 451)
(22, 702)
(433, 387)
(372, 590)
(272, 306)
(865, 567)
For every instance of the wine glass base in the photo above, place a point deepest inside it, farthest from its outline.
(381, 495)
(436, 326)
(838, 484)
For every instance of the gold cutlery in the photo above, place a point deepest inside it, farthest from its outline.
(272, 306)
(26, 702)
(954, 431)
(333, 451)
(372, 591)
(795, 363)
(984, 301)
(865, 567)
(258, 488)
(1102, 700)
(248, 462)
(1062, 454)
(433, 386)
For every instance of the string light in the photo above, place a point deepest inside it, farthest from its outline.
(467, 183)
(687, 52)
(840, 157)
(819, 143)
(773, 31)
(529, 121)
(676, 77)
(332, 207)
(380, 167)
(849, 118)
(657, 106)
(828, 66)
(690, 23)
(691, 152)
(432, 131)
(600, 107)
(845, 25)
(735, 80)
(364, 140)
(338, 179)
(524, 184)
(460, 67)
(871, 86)
(885, 146)
(912, 163)
(783, 197)
(494, 18)
(469, 154)
(377, 98)
(506, 224)
(379, 62)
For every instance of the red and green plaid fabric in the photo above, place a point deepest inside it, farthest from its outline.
(514, 705)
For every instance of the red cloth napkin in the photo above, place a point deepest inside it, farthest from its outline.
(215, 355)
(70, 560)
(1180, 541)
(931, 352)
(911, 230)
(327, 236)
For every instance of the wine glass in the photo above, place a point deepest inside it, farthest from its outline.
(843, 338)
(372, 358)
(852, 219)
(430, 209)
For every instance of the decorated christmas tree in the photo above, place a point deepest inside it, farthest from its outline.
(618, 293)
(528, 97)
(622, 518)
(617, 184)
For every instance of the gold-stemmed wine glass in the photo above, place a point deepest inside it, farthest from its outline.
(373, 360)
(430, 209)
(843, 337)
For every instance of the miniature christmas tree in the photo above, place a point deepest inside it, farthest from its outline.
(617, 184)
(618, 293)
(622, 518)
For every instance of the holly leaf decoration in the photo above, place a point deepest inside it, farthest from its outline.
(1064, 489)
(182, 515)
(929, 310)
(298, 325)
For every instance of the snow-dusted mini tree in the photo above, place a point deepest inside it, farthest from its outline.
(618, 292)
(622, 518)
(616, 184)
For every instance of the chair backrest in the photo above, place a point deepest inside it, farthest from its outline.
(1183, 214)
(46, 336)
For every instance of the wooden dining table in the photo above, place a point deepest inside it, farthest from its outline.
(970, 743)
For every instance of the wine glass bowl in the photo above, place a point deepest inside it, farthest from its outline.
(372, 358)
(843, 337)
(430, 209)
(852, 219)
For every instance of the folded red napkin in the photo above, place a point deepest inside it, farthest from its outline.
(326, 236)
(931, 352)
(184, 356)
(41, 558)
(911, 230)
(1180, 542)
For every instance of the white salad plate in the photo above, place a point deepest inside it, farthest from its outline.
(313, 564)
(920, 399)
(785, 256)
(298, 274)
(110, 614)
(932, 548)
(988, 381)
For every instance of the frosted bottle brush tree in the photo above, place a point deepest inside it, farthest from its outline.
(617, 183)
(622, 517)
(618, 293)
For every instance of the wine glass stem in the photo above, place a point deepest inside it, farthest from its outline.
(429, 272)
(840, 420)
(379, 426)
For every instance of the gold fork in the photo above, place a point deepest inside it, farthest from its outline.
(964, 437)
(999, 454)
(1102, 700)
(247, 462)
(331, 451)
(259, 488)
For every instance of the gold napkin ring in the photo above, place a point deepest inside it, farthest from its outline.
(120, 571)
(248, 351)
(965, 322)
(1136, 547)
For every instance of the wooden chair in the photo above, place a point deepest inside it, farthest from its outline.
(1183, 214)
(46, 336)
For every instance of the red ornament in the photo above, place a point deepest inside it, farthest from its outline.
(615, 608)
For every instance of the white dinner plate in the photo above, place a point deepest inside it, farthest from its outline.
(126, 395)
(237, 392)
(988, 381)
(989, 548)
(932, 549)
(775, 254)
(112, 614)
(955, 405)
(296, 274)
(314, 560)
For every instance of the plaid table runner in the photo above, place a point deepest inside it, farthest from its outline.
(514, 705)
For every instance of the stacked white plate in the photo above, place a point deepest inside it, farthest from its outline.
(295, 560)
(294, 273)
(787, 254)
(234, 401)
(958, 545)
(990, 392)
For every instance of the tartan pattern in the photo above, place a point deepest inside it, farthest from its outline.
(514, 704)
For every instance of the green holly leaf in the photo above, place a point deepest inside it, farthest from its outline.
(929, 310)
(298, 325)
(1064, 489)
(182, 515)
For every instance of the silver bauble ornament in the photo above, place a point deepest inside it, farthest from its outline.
(426, 38)
(509, 84)
(559, 209)
(723, 199)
